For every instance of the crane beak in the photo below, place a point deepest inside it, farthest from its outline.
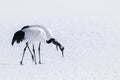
(57, 47)
(62, 50)
(57, 44)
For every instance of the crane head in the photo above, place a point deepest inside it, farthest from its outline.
(57, 44)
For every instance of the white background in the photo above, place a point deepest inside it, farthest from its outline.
(88, 29)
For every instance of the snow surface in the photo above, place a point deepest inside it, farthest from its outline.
(89, 31)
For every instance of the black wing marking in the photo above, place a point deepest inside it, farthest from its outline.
(25, 27)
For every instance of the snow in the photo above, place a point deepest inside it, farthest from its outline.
(89, 31)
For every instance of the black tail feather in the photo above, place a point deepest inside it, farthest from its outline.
(18, 37)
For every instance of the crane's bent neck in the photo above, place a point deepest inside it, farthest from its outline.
(47, 30)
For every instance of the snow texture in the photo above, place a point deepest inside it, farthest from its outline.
(88, 29)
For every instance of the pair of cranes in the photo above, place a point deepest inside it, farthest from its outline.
(35, 33)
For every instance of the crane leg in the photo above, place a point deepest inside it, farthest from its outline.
(21, 62)
(39, 53)
(34, 54)
(30, 51)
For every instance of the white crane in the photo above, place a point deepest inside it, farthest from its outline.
(35, 33)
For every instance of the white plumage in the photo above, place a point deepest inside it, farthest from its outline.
(48, 32)
(35, 33)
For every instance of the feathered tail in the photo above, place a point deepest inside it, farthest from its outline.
(18, 37)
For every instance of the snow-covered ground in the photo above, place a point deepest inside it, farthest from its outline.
(89, 31)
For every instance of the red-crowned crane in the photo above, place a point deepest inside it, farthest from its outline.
(35, 33)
